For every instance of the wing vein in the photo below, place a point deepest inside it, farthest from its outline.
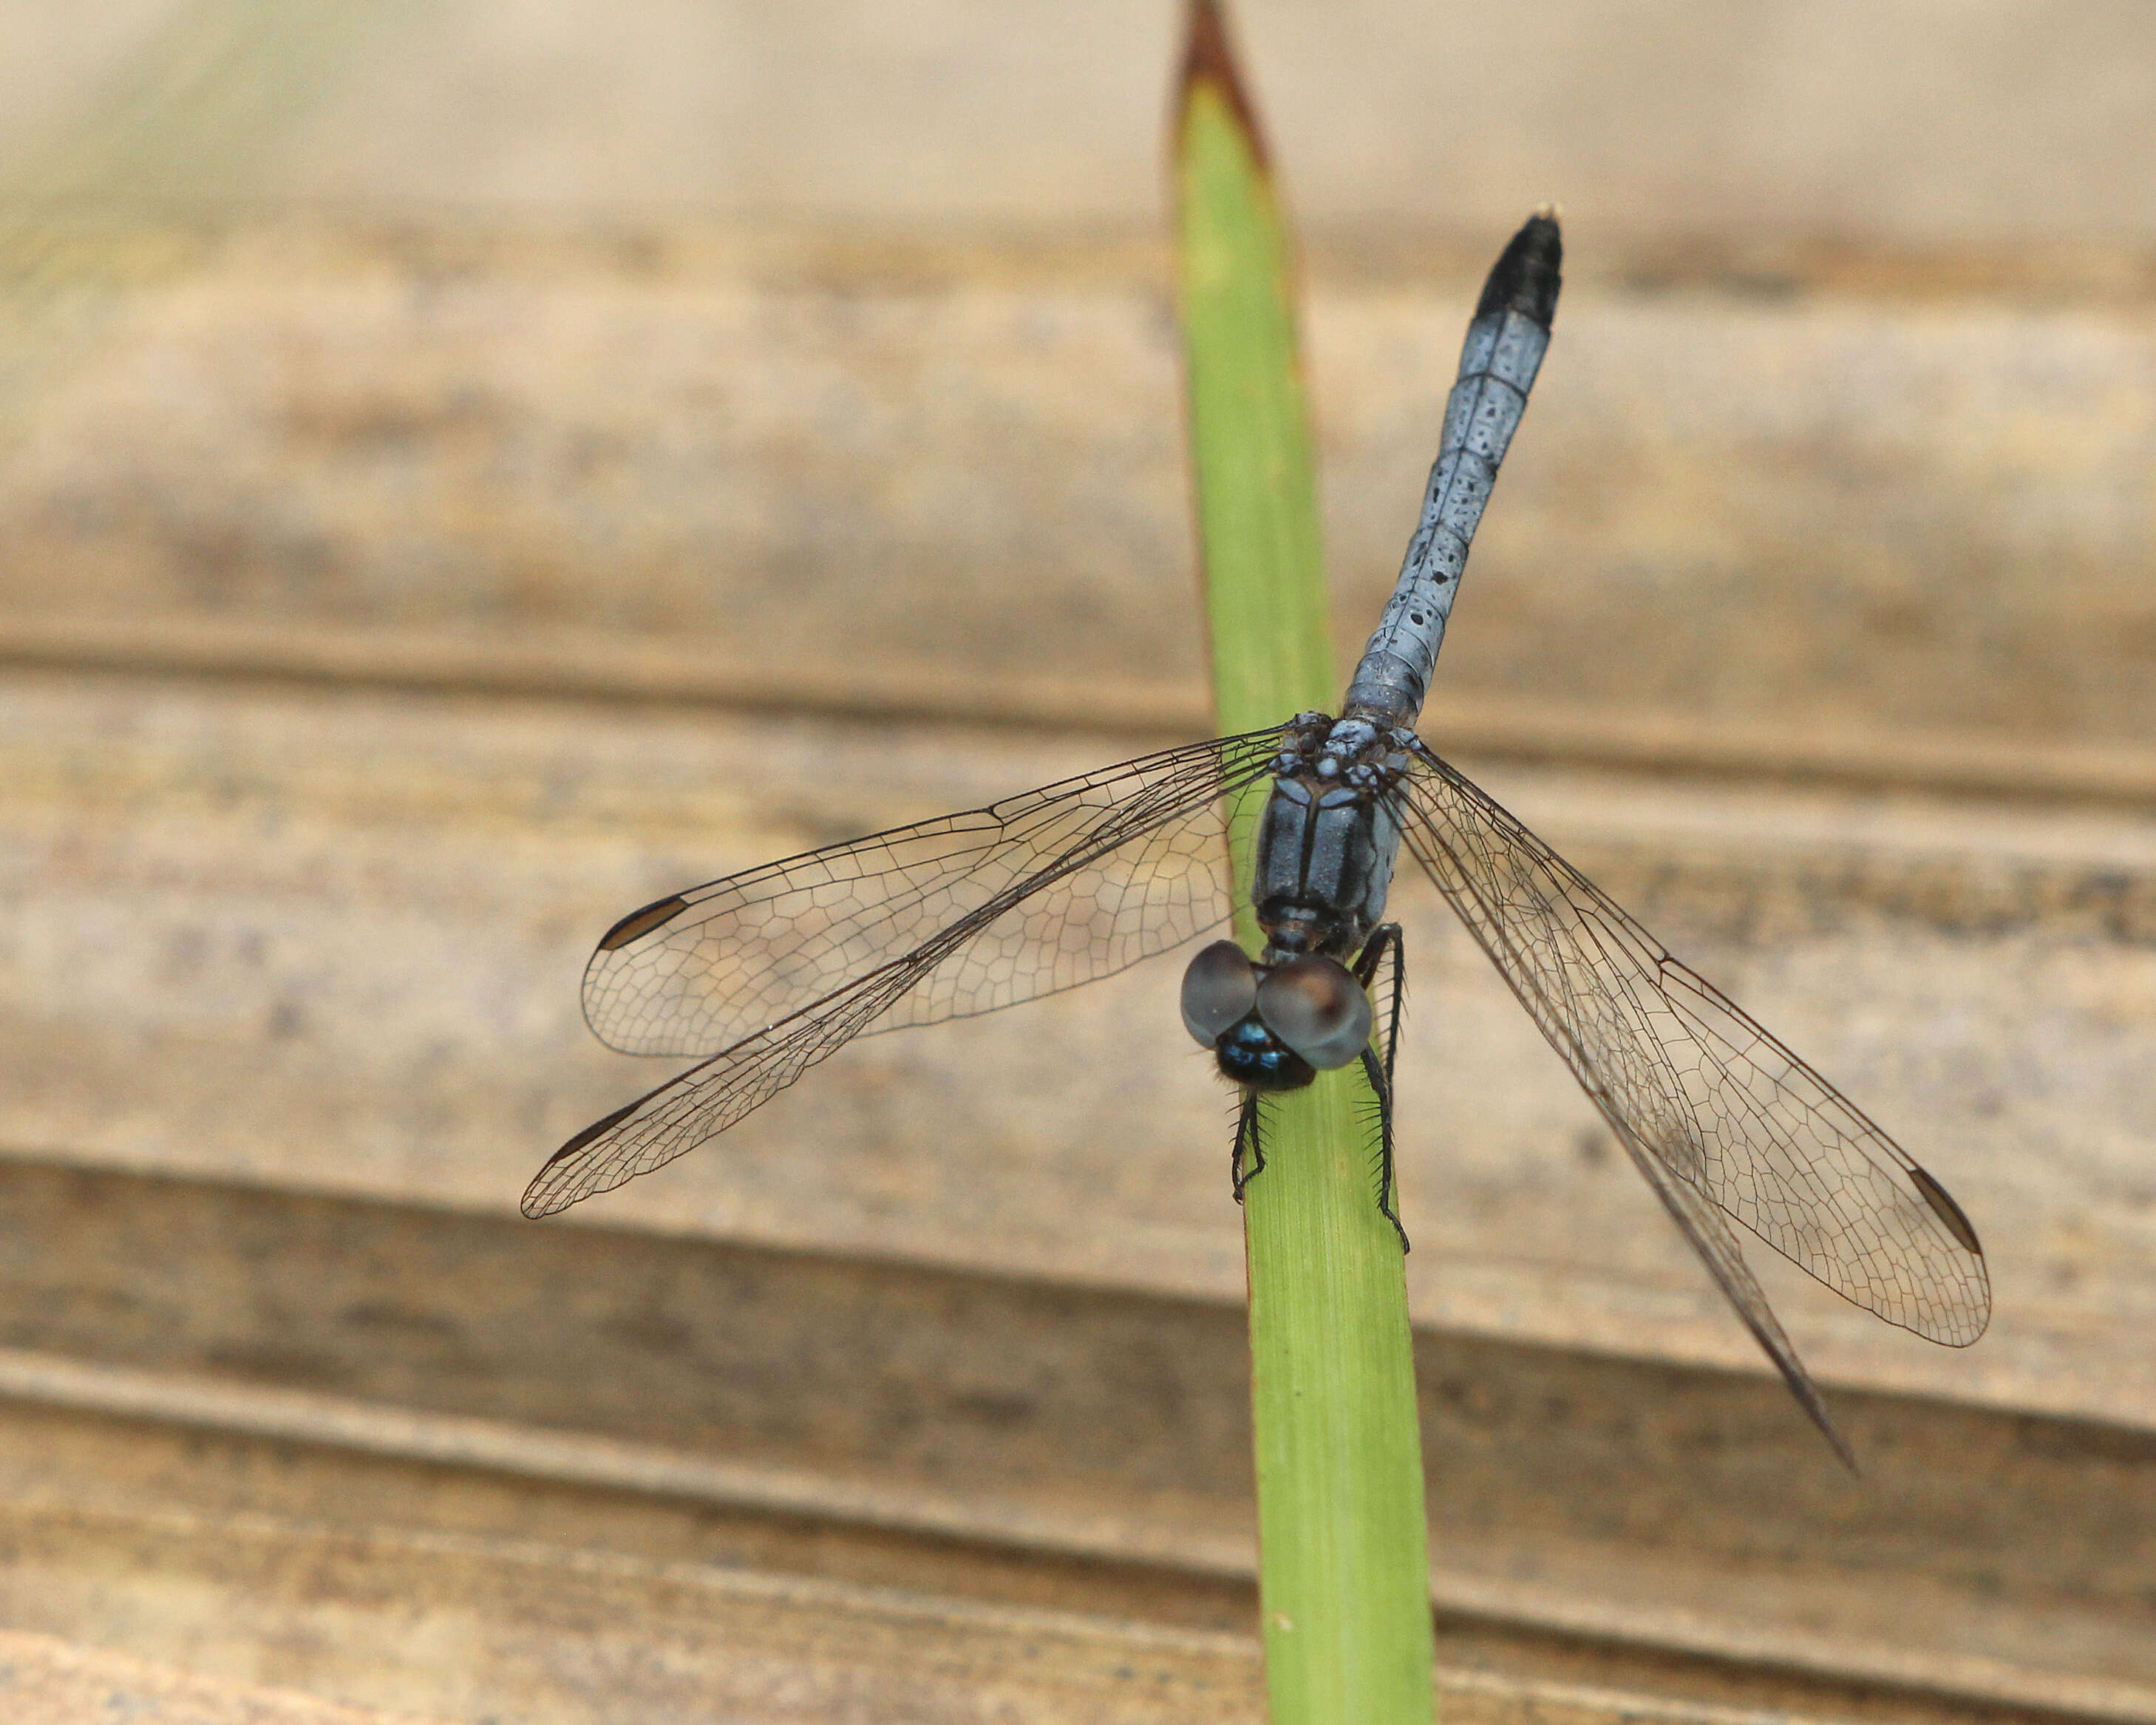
(1696, 1088)
(1071, 883)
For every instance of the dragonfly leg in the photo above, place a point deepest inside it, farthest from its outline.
(1248, 1159)
(1379, 1083)
(1384, 943)
(1389, 985)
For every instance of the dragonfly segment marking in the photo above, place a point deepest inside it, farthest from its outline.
(762, 975)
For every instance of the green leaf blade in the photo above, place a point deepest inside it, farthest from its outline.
(1344, 1577)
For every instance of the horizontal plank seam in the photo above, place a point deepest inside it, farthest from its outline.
(112, 243)
(1483, 727)
(2023, 1397)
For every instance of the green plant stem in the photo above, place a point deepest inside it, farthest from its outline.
(1344, 1564)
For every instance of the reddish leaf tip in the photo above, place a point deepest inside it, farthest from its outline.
(1209, 57)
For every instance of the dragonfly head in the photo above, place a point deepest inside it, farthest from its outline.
(1274, 1027)
(1252, 1056)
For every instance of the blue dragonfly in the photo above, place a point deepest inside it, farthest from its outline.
(761, 976)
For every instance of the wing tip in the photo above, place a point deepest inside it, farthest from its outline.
(637, 923)
(546, 1195)
(1839, 1445)
(1942, 1206)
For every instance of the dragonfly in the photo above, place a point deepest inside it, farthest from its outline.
(762, 975)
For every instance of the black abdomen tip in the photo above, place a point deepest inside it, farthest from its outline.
(1526, 275)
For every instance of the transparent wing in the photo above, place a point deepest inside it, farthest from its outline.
(1702, 1226)
(1710, 1105)
(1037, 893)
(703, 1101)
(699, 971)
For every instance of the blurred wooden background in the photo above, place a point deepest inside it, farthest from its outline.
(466, 471)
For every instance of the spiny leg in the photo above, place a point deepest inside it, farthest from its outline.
(1388, 997)
(1248, 1160)
(1382, 1085)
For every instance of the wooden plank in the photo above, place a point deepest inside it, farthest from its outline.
(2002, 123)
(1845, 515)
(334, 941)
(217, 1352)
(45, 1681)
(483, 1627)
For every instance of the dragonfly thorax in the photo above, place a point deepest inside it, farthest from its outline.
(1324, 862)
(1328, 837)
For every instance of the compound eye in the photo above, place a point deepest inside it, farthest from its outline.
(1318, 1009)
(1219, 990)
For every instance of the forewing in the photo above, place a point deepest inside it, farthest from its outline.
(1697, 1090)
(1127, 862)
(1117, 865)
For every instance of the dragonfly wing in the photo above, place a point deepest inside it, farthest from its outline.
(1038, 893)
(1092, 874)
(1702, 1224)
(1710, 1105)
(703, 1101)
